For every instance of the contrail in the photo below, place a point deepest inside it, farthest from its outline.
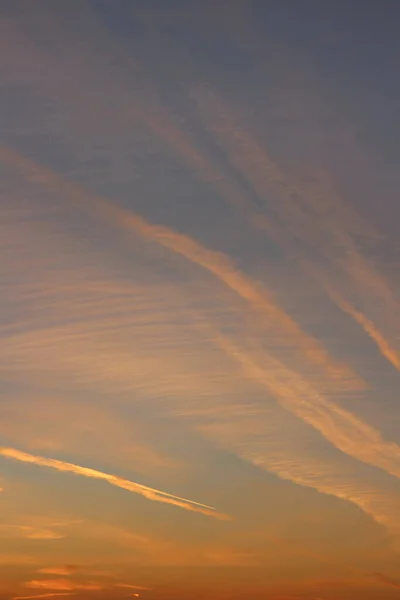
(216, 263)
(302, 210)
(371, 329)
(160, 123)
(311, 406)
(137, 488)
(339, 426)
(202, 256)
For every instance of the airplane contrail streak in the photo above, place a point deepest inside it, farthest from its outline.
(147, 492)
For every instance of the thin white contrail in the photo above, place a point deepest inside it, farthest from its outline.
(131, 486)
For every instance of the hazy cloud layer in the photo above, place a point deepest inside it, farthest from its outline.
(195, 293)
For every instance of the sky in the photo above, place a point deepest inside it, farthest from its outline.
(199, 307)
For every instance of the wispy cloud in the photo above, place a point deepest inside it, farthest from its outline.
(75, 570)
(47, 595)
(32, 532)
(163, 126)
(386, 579)
(296, 219)
(220, 265)
(277, 372)
(346, 432)
(48, 423)
(62, 584)
(287, 437)
(63, 570)
(257, 440)
(131, 587)
(224, 270)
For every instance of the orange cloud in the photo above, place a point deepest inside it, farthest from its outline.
(43, 534)
(293, 390)
(62, 584)
(131, 587)
(162, 124)
(212, 261)
(64, 570)
(343, 429)
(49, 595)
(385, 347)
(31, 532)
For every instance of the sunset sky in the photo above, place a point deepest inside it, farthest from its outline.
(199, 299)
